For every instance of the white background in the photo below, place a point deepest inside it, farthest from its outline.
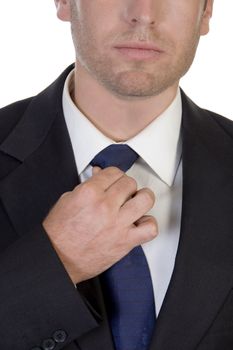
(35, 47)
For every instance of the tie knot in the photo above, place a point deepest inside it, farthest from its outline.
(120, 156)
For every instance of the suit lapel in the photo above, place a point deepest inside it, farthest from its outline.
(45, 163)
(202, 276)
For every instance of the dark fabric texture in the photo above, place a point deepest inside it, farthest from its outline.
(118, 155)
(37, 297)
(127, 285)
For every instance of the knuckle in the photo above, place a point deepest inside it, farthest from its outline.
(88, 190)
(114, 171)
(149, 196)
(132, 183)
(152, 228)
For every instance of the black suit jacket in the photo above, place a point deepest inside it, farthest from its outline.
(37, 296)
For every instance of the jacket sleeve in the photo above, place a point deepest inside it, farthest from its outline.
(39, 305)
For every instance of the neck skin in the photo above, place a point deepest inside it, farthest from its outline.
(117, 118)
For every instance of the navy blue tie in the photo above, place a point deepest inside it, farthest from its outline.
(127, 285)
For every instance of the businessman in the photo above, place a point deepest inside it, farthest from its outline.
(116, 192)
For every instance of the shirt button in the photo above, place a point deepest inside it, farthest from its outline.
(48, 344)
(60, 336)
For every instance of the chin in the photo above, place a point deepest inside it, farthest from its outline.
(134, 84)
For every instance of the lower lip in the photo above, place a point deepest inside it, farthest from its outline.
(139, 54)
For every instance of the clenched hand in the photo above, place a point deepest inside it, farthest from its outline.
(99, 222)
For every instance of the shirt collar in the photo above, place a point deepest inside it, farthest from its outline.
(159, 144)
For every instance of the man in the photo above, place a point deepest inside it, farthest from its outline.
(97, 253)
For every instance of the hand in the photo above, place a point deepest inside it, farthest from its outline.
(99, 222)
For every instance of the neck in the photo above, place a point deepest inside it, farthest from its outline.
(119, 119)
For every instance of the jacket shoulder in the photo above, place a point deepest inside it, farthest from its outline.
(10, 116)
(224, 123)
(205, 121)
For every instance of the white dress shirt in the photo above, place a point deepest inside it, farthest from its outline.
(159, 167)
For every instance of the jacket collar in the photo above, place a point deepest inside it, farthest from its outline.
(37, 120)
(44, 159)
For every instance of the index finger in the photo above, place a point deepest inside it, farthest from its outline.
(104, 178)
